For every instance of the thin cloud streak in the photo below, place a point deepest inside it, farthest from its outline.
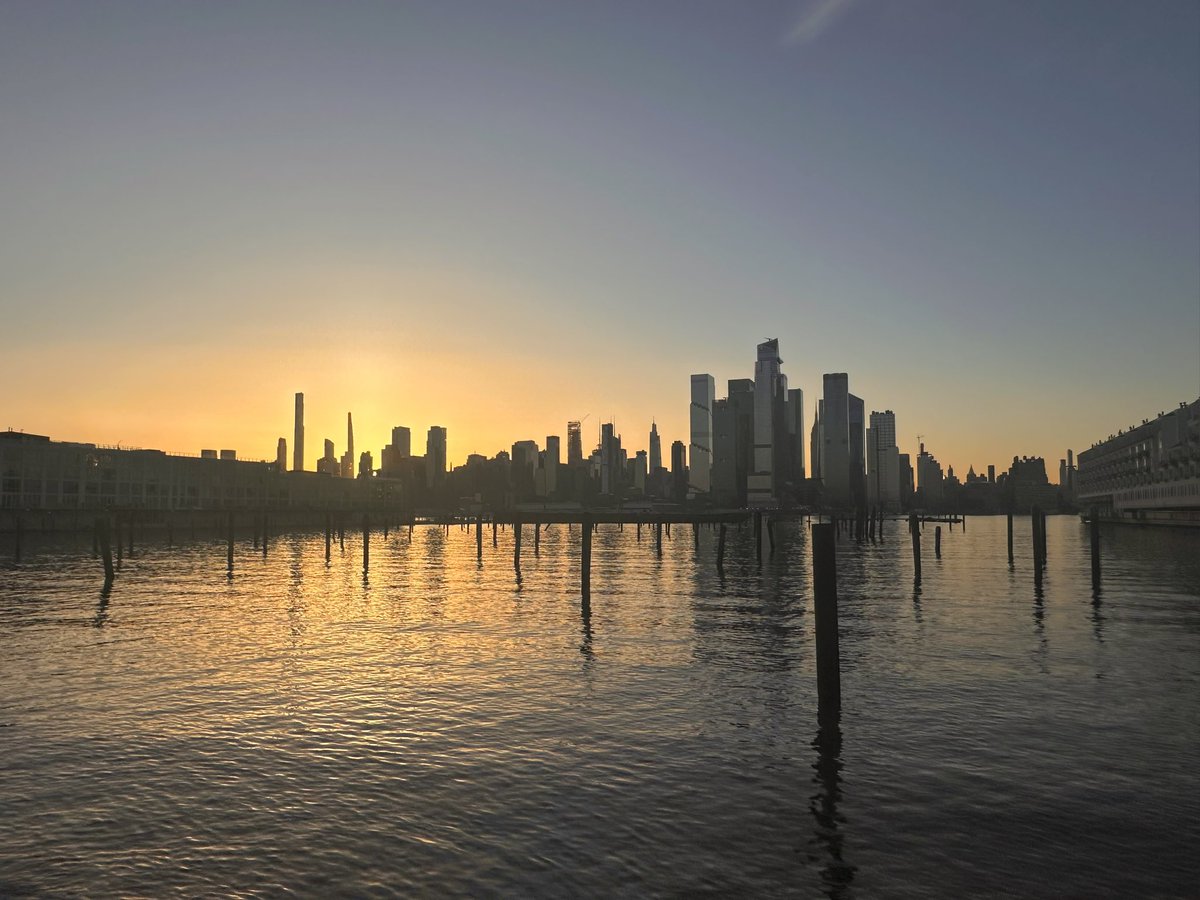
(817, 17)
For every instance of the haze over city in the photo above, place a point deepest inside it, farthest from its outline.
(498, 217)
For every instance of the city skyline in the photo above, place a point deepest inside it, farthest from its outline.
(396, 210)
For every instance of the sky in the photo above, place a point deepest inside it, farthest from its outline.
(498, 216)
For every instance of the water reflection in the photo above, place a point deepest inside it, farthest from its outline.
(828, 839)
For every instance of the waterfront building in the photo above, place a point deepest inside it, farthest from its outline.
(64, 478)
(574, 444)
(347, 466)
(298, 437)
(930, 481)
(835, 437)
(1149, 473)
(435, 456)
(679, 473)
(328, 464)
(770, 395)
(655, 448)
(794, 415)
(700, 451)
(524, 466)
(883, 462)
(856, 419)
(551, 460)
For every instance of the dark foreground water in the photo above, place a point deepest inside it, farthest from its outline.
(439, 729)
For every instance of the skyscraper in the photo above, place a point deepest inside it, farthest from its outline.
(551, 461)
(655, 448)
(770, 395)
(679, 473)
(701, 449)
(574, 444)
(348, 458)
(883, 462)
(835, 438)
(298, 439)
(857, 422)
(281, 455)
(435, 456)
(795, 430)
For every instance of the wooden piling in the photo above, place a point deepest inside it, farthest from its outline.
(721, 549)
(328, 535)
(1010, 541)
(829, 676)
(771, 535)
(518, 527)
(479, 536)
(914, 527)
(1035, 521)
(537, 538)
(639, 532)
(585, 560)
(229, 540)
(366, 528)
(758, 533)
(696, 536)
(493, 529)
(254, 523)
(658, 530)
(937, 542)
(102, 532)
(1094, 533)
(266, 533)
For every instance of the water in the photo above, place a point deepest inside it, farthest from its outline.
(441, 729)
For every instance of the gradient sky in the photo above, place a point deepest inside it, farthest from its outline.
(496, 216)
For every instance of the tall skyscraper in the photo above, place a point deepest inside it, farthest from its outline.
(701, 449)
(883, 462)
(679, 473)
(435, 455)
(655, 448)
(281, 455)
(348, 458)
(523, 469)
(574, 444)
(402, 442)
(551, 461)
(611, 460)
(741, 403)
(795, 430)
(858, 472)
(835, 437)
(770, 396)
(298, 439)
(724, 466)
(817, 443)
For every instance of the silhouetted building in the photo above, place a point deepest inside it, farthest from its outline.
(679, 472)
(574, 444)
(930, 481)
(328, 463)
(366, 465)
(655, 448)
(883, 462)
(348, 456)
(435, 456)
(298, 438)
(524, 466)
(701, 447)
(835, 435)
(770, 395)
(1148, 473)
(281, 455)
(794, 415)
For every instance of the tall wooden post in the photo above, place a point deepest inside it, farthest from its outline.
(102, 532)
(493, 530)
(328, 535)
(518, 527)
(721, 549)
(696, 536)
(585, 559)
(229, 541)
(937, 542)
(658, 530)
(1094, 534)
(914, 527)
(1010, 542)
(1035, 521)
(366, 526)
(537, 538)
(479, 536)
(829, 665)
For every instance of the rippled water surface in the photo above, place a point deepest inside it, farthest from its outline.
(441, 728)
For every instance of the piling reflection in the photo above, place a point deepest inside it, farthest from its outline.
(101, 617)
(828, 839)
